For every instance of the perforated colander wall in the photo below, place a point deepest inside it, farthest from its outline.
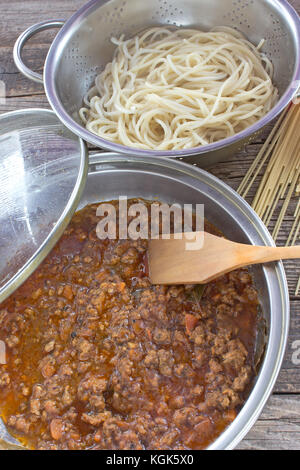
(89, 47)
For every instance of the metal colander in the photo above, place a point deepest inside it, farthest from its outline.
(82, 48)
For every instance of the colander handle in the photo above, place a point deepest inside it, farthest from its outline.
(21, 41)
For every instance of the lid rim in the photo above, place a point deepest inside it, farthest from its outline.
(54, 235)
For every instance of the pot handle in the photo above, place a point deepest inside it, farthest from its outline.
(21, 41)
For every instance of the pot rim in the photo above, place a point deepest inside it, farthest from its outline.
(53, 98)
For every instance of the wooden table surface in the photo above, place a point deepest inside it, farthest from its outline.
(278, 427)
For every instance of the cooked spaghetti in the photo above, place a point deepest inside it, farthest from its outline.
(177, 89)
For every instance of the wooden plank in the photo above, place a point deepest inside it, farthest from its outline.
(18, 15)
(22, 102)
(278, 427)
(15, 82)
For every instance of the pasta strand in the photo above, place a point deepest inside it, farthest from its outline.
(181, 88)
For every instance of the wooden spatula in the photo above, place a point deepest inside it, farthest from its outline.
(171, 263)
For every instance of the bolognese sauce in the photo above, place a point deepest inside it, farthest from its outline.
(98, 358)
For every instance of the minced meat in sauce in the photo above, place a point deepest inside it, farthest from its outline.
(98, 358)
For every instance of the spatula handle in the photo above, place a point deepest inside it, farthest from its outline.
(264, 254)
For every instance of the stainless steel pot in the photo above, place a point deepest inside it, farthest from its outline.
(112, 175)
(82, 48)
(173, 181)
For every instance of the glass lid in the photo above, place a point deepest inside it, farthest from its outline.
(43, 170)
